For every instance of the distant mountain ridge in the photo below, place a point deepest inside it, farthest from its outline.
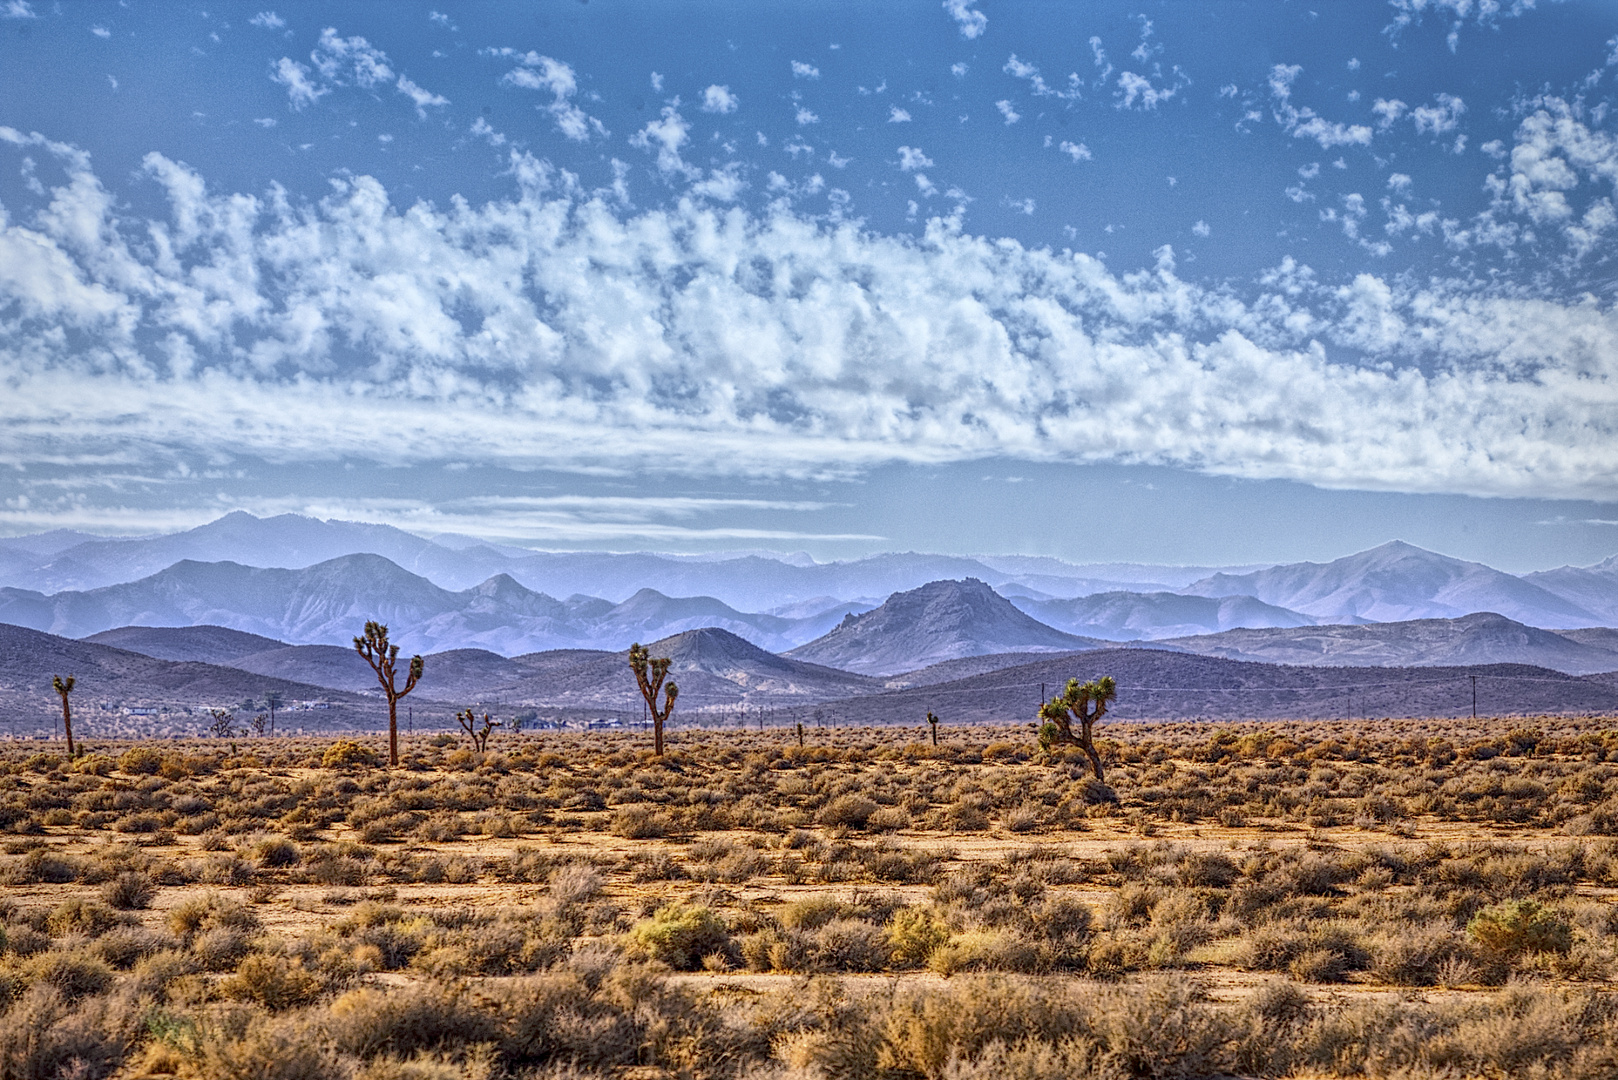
(324, 604)
(942, 620)
(1398, 582)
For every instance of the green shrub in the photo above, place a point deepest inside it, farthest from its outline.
(1516, 927)
(680, 935)
(140, 761)
(914, 933)
(348, 754)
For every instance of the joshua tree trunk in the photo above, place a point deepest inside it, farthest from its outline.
(63, 688)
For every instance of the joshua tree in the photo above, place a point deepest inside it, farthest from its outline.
(649, 674)
(932, 722)
(260, 723)
(273, 701)
(224, 723)
(383, 658)
(1085, 702)
(63, 688)
(480, 737)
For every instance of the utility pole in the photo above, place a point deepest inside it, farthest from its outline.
(1474, 697)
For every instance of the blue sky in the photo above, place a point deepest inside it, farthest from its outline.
(1172, 282)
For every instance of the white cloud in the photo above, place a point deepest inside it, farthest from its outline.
(1201, 228)
(664, 137)
(1398, 182)
(1007, 111)
(101, 32)
(1077, 151)
(17, 9)
(806, 116)
(301, 89)
(267, 20)
(719, 99)
(958, 70)
(1134, 88)
(1388, 111)
(1441, 118)
(341, 62)
(897, 115)
(568, 333)
(911, 158)
(1304, 123)
(968, 19)
(801, 70)
(558, 78)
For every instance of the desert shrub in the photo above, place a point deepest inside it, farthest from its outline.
(275, 851)
(140, 761)
(85, 917)
(575, 883)
(913, 934)
(851, 811)
(273, 981)
(74, 973)
(47, 1034)
(1515, 927)
(348, 754)
(680, 935)
(94, 765)
(888, 819)
(128, 891)
(640, 823)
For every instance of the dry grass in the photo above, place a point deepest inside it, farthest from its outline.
(1378, 899)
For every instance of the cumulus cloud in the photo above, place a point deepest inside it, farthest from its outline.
(897, 115)
(719, 99)
(1077, 151)
(342, 62)
(17, 9)
(1304, 122)
(267, 20)
(536, 72)
(1008, 111)
(801, 70)
(664, 137)
(568, 332)
(1438, 119)
(911, 158)
(968, 19)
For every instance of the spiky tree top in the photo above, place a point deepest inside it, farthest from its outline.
(1084, 702)
(384, 658)
(649, 675)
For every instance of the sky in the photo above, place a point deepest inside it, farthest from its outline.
(1185, 283)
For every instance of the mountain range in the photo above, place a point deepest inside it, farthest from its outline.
(298, 588)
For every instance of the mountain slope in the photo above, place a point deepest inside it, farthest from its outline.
(1130, 616)
(204, 644)
(1593, 588)
(1483, 638)
(942, 620)
(1398, 582)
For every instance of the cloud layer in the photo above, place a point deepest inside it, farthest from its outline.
(557, 328)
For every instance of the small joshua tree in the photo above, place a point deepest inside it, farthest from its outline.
(649, 675)
(224, 723)
(260, 724)
(480, 736)
(932, 722)
(1084, 702)
(63, 688)
(384, 658)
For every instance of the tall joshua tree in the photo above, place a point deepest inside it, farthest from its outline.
(384, 658)
(273, 701)
(1084, 702)
(649, 675)
(63, 688)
